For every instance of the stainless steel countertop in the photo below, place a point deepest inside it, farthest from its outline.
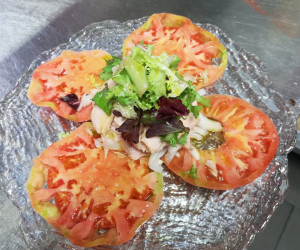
(269, 29)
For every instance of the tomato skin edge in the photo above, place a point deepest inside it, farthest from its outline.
(51, 97)
(156, 198)
(178, 167)
(50, 212)
(36, 182)
(171, 20)
(216, 186)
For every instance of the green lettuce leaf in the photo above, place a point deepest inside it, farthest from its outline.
(107, 70)
(189, 95)
(173, 138)
(104, 101)
(175, 86)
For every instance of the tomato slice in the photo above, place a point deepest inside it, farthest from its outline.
(201, 53)
(93, 197)
(69, 73)
(250, 144)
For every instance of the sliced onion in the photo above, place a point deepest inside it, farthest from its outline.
(212, 167)
(202, 92)
(98, 143)
(155, 163)
(107, 144)
(189, 77)
(198, 133)
(195, 153)
(111, 144)
(101, 121)
(209, 124)
(172, 151)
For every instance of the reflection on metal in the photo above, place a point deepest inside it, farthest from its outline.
(284, 15)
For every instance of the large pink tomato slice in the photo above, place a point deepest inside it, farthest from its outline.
(69, 75)
(93, 198)
(201, 53)
(250, 144)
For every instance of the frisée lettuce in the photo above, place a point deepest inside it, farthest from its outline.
(142, 83)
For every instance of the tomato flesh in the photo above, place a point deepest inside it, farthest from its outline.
(62, 200)
(69, 73)
(251, 142)
(93, 190)
(195, 46)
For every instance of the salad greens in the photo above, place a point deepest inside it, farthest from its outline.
(192, 172)
(107, 71)
(173, 138)
(104, 101)
(188, 96)
(149, 89)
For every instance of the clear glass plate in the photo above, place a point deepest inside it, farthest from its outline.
(189, 217)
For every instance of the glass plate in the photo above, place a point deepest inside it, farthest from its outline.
(189, 217)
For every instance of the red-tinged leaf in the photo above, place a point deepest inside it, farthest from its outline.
(169, 107)
(130, 130)
(72, 100)
(168, 126)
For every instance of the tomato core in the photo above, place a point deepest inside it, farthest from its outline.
(211, 141)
